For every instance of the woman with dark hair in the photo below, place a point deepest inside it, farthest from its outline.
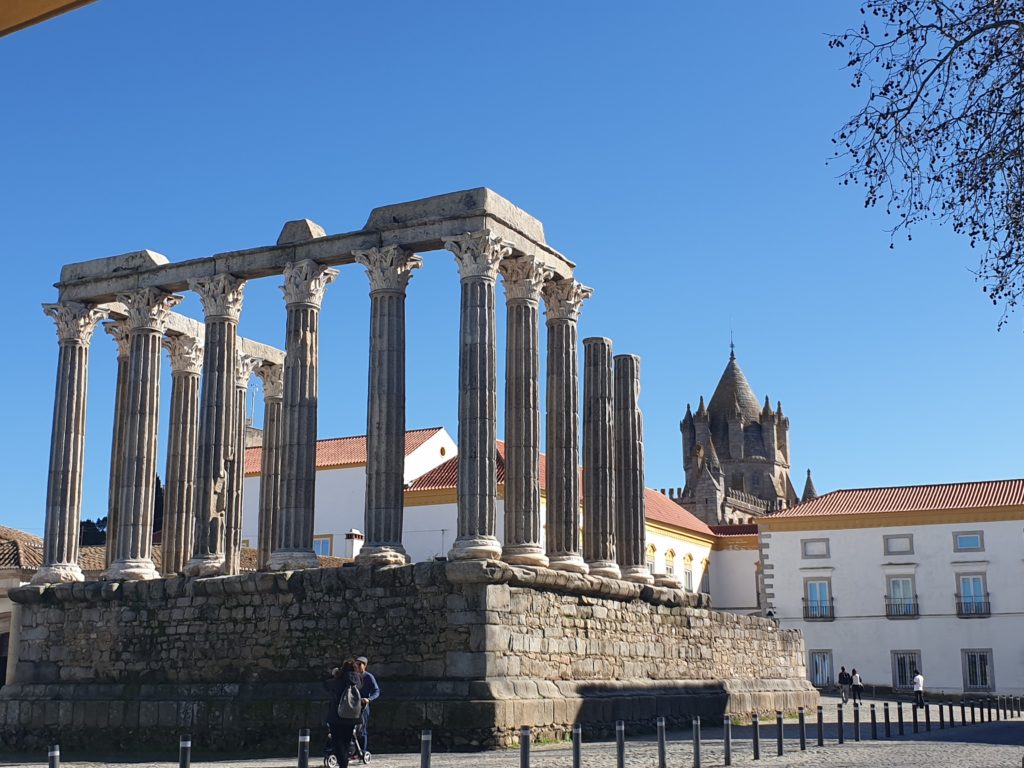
(338, 685)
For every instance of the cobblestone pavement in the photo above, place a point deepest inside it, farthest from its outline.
(983, 745)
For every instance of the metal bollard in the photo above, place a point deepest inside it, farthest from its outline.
(727, 738)
(620, 744)
(988, 705)
(304, 748)
(821, 727)
(577, 745)
(696, 742)
(839, 723)
(899, 718)
(185, 750)
(1006, 712)
(973, 717)
(963, 711)
(951, 723)
(425, 743)
(778, 733)
(942, 718)
(856, 721)
(1017, 701)
(756, 733)
(913, 711)
(874, 723)
(927, 717)
(888, 726)
(661, 742)
(53, 756)
(524, 746)
(803, 728)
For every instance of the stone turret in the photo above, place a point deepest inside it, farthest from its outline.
(810, 492)
(769, 429)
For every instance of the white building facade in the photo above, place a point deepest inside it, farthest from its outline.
(889, 580)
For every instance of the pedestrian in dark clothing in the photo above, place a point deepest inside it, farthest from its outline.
(845, 682)
(370, 691)
(341, 680)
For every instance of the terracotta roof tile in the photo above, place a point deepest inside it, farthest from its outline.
(734, 530)
(662, 509)
(19, 555)
(341, 451)
(911, 498)
(13, 534)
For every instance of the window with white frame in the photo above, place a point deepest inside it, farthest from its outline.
(905, 664)
(688, 578)
(813, 548)
(650, 558)
(968, 541)
(670, 562)
(818, 599)
(977, 665)
(820, 667)
(323, 544)
(972, 594)
(899, 544)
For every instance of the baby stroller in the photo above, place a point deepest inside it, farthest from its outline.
(355, 748)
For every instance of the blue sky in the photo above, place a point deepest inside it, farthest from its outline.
(676, 154)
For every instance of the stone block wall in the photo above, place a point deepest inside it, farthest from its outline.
(472, 650)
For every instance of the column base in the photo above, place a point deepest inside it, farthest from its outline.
(58, 573)
(664, 580)
(607, 568)
(567, 562)
(524, 554)
(383, 555)
(637, 573)
(475, 548)
(203, 566)
(131, 570)
(292, 560)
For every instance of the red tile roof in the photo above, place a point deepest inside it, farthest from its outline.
(734, 530)
(13, 534)
(911, 498)
(661, 509)
(341, 451)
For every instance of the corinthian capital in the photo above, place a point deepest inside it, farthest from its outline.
(272, 376)
(306, 281)
(118, 330)
(149, 308)
(245, 365)
(75, 321)
(564, 298)
(478, 254)
(221, 295)
(389, 268)
(186, 354)
(523, 277)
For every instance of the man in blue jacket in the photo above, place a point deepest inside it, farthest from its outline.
(369, 691)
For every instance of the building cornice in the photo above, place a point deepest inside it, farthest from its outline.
(890, 519)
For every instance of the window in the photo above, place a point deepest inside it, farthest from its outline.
(670, 563)
(705, 578)
(977, 664)
(811, 548)
(968, 541)
(904, 664)
(972, 597)
(820, 667)
(902, 544)
(900, 600)
(650, 558)
(688, 579)
(818, 600)
(323, 545)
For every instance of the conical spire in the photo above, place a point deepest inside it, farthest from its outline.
(734, 390)
(766, 412)
(809, 491)
(701, 410)
(689, 415)
(712, 454)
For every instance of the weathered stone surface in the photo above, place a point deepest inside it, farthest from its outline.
(300, 230)
(126, 263)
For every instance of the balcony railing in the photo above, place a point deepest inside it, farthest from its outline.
(819, 610)
(973, 607)
(901, 607)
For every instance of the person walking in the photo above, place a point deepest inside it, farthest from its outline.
(369, 690)
(845, 681)
(857, 685)
(344, 712)
(918, 689)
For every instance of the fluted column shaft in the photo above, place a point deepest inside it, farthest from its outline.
(630, 506)
(563, 299)
(389, 270)
(304, 286)
(236, 477)
(75, 325)
(478, 256)
(523, 543)
(222, 305)
(182, 442)
(118, 329)
(598, 459)
(148, 310)
(270, 467)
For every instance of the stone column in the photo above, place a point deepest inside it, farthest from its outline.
(598, 459)
(523, 278)
(75, 325)
(478, 255)
(562, 300)
(148, 312)
(244, 367)
(389, 270)
(630, 507)
(118, 330)
(272, 376)
(222, 305)
(304, 285)
(186, 354)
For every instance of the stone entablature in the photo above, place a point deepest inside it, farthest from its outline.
(472, 649)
